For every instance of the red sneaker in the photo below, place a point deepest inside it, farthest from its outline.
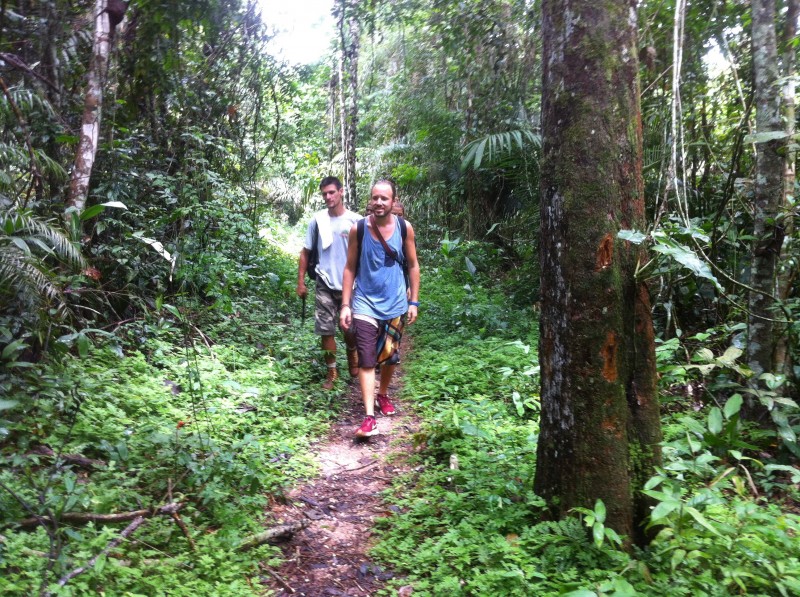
(368, 427)
(385, 405)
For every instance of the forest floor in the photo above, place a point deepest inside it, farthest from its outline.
(329, 557)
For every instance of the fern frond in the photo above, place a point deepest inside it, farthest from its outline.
(497, 144)
(21, 226)
(21, 278)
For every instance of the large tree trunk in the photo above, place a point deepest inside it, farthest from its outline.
(92, 108)
(600, 424)
(768, 191)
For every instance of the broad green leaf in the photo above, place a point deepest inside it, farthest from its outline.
(6, 404)
(632, 236)
(597, 533)
(677, 557)
(730, 355)
(715, 421)
(688, 259)
(470, 266)
(83, 345)
(664, 509)
(765, 136)
(600, 510)
(90, 212)
(704, 354)
(732, 406)
(518, 403)
(787, 434)
(701, 519)
(470, 429)
(580, 593)
(11, 349)
(21, 245)
(772, 381)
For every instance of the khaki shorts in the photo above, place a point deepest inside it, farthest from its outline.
(327, 304)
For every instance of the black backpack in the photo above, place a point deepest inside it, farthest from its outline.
(403, 263)
(313, 256)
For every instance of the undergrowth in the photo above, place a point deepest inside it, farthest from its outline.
(470, 523)
(209, 406)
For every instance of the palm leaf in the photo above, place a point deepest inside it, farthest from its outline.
(497, 144)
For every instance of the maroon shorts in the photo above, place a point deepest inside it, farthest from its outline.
(366, 336)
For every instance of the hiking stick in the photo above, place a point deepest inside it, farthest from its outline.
(303, 320)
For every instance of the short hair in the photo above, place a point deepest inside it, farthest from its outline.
(388, 181)
(328, 180)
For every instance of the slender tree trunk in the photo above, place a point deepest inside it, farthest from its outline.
(768, 191)
(600, 424)
(787, 270)
(349, 34)
(92, 108)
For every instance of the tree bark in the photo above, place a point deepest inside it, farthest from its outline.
(600, 424)
(768, 192)
(92, 109)
(349, 34)
(787, 270)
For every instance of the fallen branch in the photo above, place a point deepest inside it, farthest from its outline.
(137, 522)
(82, 461)
(84, 517)
(282, 531)
(286, 586)
(182, 525)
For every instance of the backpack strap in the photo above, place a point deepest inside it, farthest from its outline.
(315, 242)
(360, 241)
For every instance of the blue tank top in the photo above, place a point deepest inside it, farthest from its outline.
(380, 288)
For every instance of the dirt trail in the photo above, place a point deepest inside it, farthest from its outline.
(329, 557)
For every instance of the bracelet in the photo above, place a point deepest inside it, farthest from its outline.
(343, 306)
(413, 303)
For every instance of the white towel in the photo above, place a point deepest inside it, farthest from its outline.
(324, 228)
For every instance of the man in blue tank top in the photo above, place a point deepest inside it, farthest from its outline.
(374, 292)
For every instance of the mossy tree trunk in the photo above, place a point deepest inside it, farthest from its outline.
(349, 38)
(767, 195)
(600, 424)
(787, 268)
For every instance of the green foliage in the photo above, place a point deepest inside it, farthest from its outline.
(211, 408)
(470, 524)
(26, 244)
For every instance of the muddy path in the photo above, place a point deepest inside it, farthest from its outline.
(330, 556)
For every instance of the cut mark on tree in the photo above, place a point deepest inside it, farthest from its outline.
(605, 253)
(609, 355)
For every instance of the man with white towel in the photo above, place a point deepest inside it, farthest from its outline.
(331, 226)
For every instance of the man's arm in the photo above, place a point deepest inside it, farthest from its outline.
(410, 252)
(349, 278)
(302, 266)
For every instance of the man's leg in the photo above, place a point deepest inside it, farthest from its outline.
(386, 377)
(365, 335)
(352, 352)
(366, 379)
(329, 350)
(329, 354)
(325, 318)
(384, 403)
